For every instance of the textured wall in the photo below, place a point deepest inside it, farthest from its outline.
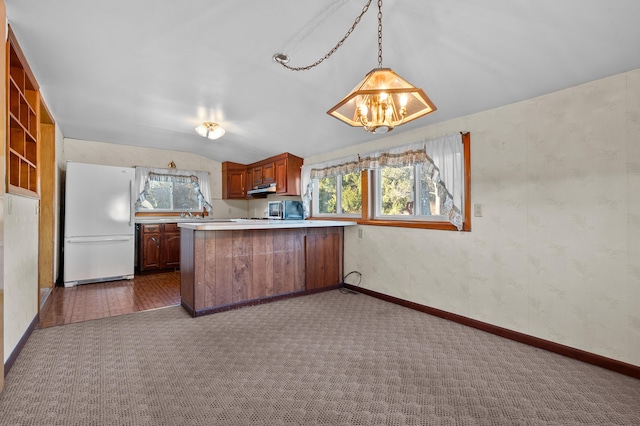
(556, 252)
(20, 268)
(129, 156)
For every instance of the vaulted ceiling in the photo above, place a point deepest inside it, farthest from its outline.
(146, 73)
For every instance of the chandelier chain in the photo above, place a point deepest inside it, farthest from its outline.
(337, 46)
(379, 33)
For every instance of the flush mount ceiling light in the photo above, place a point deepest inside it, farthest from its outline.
(382, 100)
(210, 130)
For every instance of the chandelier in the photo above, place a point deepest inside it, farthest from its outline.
(210, 130)
(382, 100)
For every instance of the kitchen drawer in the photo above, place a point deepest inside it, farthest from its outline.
(150, 229)
(171, 227)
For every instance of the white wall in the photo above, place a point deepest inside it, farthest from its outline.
(556, 252)
(125, 155)
(20, 268)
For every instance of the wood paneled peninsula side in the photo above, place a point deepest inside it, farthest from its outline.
(226, 265)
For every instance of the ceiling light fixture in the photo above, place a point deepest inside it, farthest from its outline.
(382, 100)
(210, 130)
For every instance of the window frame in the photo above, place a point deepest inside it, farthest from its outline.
(174, 209)
(377, 200)
(368, 211)
(315, 201)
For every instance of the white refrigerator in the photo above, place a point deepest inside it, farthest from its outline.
(99, 230)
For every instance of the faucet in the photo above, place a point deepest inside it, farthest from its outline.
(186, 211)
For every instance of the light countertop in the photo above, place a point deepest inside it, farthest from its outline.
(245, 224)
(176, 219)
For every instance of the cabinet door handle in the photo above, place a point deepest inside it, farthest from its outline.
(156, 241)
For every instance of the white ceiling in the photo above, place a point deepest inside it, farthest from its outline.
(143, 72)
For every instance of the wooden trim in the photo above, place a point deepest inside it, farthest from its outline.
(231, 306)
(22, 58)
(365, 192)
(23, 341)
(444, 226)
(466, 141)
(578, 354)
(47, 216)
(188, 308)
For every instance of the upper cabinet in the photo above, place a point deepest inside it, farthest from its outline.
(263, 173)
(23, 110)
(288, 171)
(234, 180)
(284, 170)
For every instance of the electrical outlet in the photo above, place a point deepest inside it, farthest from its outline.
(360, 233)
(229, 210)
(9, 205)
(477, 210)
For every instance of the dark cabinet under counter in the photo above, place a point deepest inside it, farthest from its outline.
(230, 266)
(158, 247)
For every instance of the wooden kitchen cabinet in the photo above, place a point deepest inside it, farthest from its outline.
(284, 170)
(159, 247)
(263, 174)
(228, 269)
(170, 244)
(150, 254)
(288, 175)
(323, 257)
(234, 180)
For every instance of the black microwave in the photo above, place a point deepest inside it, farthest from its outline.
(285, 210)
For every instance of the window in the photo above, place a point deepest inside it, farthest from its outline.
(339, 195)
(171, 196)
(420, 185)
(170, 190)
(407, 193)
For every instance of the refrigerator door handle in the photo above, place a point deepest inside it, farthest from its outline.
(132, 206)
(84, 240)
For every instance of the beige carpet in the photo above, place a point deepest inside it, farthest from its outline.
(326, 359)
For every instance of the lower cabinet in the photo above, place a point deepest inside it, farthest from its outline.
(233, 268)
(323, 257)
(159, 247)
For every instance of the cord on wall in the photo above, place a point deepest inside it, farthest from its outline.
(345, 290)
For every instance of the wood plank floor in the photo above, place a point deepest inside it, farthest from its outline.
(101, 300)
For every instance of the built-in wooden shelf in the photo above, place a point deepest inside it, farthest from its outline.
(23, 110)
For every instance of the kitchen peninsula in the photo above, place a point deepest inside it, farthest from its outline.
(229, 264)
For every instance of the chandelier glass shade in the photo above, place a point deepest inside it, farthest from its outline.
(210, 130)
(382, 101)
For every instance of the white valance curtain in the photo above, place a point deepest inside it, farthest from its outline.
(329, 168)
(442, 157)
(447, 156)
(199, 178)
(404, 155)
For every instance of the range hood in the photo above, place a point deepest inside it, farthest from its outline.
(269, 188)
